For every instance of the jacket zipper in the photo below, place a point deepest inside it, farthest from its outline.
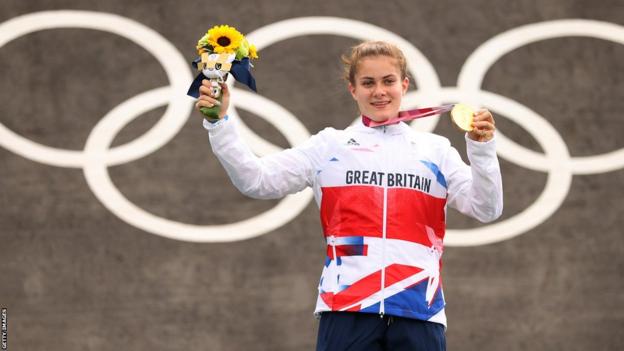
(383, 251)
(382, 307)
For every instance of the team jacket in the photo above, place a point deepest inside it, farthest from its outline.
(382, 194)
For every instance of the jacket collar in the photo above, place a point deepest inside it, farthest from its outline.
(396, 128)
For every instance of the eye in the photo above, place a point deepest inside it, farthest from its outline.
(367, 83)
(389, 81)
(217, 66)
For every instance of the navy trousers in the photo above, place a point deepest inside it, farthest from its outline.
(355, 331)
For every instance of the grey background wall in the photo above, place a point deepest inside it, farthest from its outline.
(73, 276)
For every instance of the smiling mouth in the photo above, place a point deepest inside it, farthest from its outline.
(380, 104)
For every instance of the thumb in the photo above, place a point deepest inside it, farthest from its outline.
(224, 88)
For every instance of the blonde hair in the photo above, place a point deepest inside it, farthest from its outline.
(369, 49)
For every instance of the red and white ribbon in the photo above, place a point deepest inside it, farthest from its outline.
(409, 115)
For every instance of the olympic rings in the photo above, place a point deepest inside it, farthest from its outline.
(95, 160)
(172, 61)
(477, 64)
(557, 161)
(97, 155)
(96, 173)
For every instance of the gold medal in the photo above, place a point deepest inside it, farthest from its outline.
(462, 116)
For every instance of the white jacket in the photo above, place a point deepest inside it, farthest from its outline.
(382, 194)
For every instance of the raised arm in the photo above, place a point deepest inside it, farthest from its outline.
(476, 190)
(267, 177)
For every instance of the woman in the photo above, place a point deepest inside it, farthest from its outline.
(382, 193)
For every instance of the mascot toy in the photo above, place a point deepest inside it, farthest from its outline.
(222, 50)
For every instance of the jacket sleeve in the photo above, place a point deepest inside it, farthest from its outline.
(269, 177)
(475, 190)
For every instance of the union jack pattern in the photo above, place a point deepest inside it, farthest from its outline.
(382, 194)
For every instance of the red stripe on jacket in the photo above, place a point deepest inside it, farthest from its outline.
(357, 210)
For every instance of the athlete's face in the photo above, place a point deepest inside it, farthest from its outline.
(378, 87)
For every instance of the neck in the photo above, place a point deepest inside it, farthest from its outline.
(369, 122)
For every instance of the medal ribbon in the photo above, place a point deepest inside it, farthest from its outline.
(409, 115)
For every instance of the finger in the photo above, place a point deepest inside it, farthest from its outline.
(210, 99)
(204, 104)
(207, 101)
(483, 115)
(482, 111)
(205, 90)
(483, 125)
(225, 91)
(200, 104)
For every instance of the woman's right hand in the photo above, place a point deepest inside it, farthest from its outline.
(206, 99)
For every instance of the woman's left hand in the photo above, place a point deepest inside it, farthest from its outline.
(483, 126)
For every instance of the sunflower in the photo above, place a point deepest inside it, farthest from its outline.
(224, 39)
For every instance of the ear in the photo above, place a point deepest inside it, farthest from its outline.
(405, 85)
(352, 90)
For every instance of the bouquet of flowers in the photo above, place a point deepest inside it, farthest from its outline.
(222, 50)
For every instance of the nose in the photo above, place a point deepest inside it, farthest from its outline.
(379, 90)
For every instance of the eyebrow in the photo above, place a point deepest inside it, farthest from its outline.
(388, 76)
